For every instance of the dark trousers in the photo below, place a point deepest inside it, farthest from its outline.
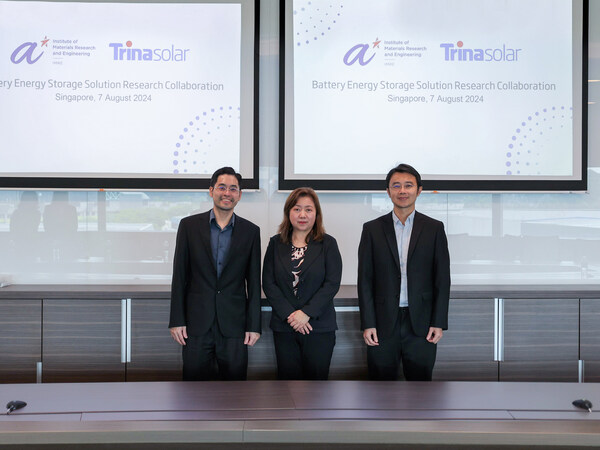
(416, 354)
(214, 357)
(303, 356)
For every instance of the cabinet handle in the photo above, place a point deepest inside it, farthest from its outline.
(128, 350)
(498, 329)
(38, 372)
(123, 330)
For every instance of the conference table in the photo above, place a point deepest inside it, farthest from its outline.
(300, 414)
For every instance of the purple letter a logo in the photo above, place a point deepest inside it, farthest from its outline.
(25, 51)
(360, 51)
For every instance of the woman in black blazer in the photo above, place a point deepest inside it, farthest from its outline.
(302, 271)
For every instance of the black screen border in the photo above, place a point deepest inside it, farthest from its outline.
(149, 183)
(286, 184)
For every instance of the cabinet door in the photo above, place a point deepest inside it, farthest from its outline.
(82, 341)
(20, 340)
(590, 339)
(466, 350)
(155, 356)
(541, 340)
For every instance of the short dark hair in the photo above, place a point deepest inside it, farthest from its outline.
(285, 228)
(225, 171)
(403, 168)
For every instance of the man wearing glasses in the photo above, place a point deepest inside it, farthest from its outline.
(215, 292)
(403, 284)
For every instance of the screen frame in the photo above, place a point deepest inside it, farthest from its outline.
(164, 183)
(367, 185)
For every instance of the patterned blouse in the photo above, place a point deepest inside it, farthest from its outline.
(297, 260)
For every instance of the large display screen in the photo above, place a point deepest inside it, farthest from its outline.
(127, 95)
(485, 95)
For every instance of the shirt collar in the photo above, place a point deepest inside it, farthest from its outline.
(213, 219)
(409, 219)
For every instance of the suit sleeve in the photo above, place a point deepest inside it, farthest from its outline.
(441, 288)
(365, 280)
(180, 278)
(276, 298)
(253, 319)
(323, 298)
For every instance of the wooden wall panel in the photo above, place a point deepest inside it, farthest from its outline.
(589, 333)
(541, 330)
(470, 334)
(465, 371)
(539, 371)
(591, 371)
(82, 341)
(155, 356)
(20, 340)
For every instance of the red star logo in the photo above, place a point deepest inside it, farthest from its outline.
(376, 43)
(45, 41)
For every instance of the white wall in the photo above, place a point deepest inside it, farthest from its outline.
(494, 238)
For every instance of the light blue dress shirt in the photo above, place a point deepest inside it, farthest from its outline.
(403, 233)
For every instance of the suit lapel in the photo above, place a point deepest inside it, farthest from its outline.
(414, 236)
(284, 253)
(205, 237)
(390, 235)
(312, 252)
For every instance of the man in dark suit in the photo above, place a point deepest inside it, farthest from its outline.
(403, 284)
(215, 293)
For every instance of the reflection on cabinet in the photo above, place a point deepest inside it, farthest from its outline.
(541, 340)
(81, 341)
(155, 356)
(589, 336)
(466, 351)
(20, 340)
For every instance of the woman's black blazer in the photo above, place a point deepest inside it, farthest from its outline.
(319, 282)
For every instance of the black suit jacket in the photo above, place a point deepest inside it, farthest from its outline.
(198, 297)
(319, 282)
(428, 273)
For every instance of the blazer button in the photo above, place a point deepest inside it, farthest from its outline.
(218, 292)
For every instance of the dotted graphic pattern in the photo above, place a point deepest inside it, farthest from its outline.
(200, 136)
(314, 19)
(526, 147)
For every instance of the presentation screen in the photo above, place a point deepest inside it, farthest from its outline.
(476, 95)
(127, 95)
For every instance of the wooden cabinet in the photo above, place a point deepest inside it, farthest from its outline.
(20, 340)
(154, 355)
(589, 337)
(109, 340)
(81, 341)
(83, 334)
(541, 340)
(466, 351)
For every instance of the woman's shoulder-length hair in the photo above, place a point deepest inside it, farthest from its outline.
(285, 228)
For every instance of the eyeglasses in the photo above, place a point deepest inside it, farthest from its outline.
(222, 189)
(397, 186)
